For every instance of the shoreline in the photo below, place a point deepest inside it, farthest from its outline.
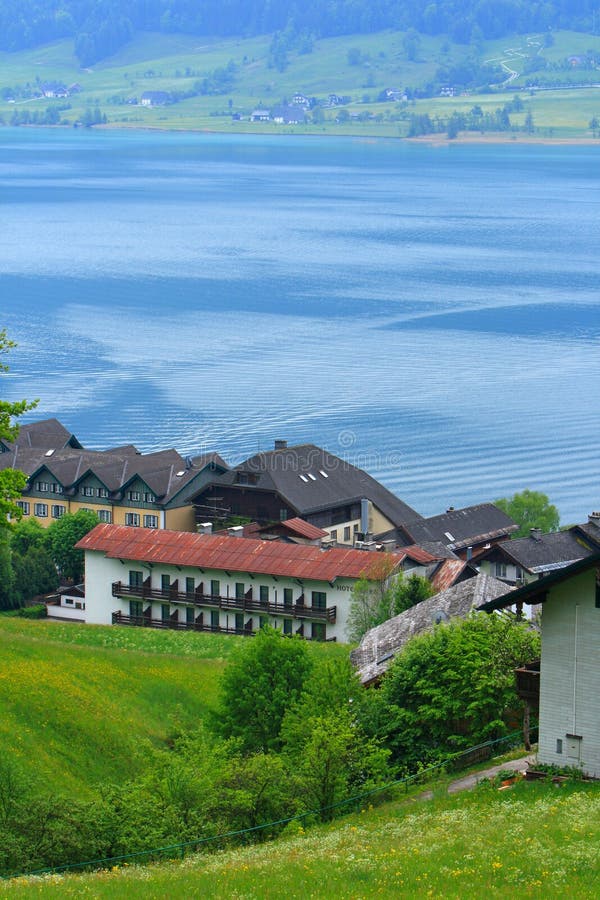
(435, 140)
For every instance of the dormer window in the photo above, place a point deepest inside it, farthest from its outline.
(87, 491)
(242, 478)
(133, 495)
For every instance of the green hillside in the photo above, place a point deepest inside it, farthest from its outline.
(531, 840)
(215, 81)
(79, 703)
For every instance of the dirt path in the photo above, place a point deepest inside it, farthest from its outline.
(470, 781)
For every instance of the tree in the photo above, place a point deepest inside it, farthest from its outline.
(452, 688)
(63, 535)
(379, 594)
(12, 481)
(530, 509)
(264, 678)
(411, 43)
(33, 568)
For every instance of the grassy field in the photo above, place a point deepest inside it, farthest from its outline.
(79, 703)
(532, 840)
(176, 62)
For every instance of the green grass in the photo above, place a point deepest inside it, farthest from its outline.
(532, 840)
(175, 62)
(79, 703)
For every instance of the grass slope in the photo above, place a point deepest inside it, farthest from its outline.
(532, 840)
(175, 62)
(78, 703)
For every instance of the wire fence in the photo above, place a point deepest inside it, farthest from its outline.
(454, 762)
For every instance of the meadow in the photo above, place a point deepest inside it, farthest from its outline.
(174, 63)
(531, 840)
(79, 704)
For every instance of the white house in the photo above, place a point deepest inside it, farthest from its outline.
(215, 582)
(569, 730)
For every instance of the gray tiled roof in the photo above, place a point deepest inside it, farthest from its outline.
(458, 528)
(545, 551)
(311, 479)
(379, 645)
(47, 434)
(115, 468)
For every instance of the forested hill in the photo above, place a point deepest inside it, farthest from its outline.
(100, 27)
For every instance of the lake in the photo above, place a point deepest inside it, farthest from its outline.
(429, 313)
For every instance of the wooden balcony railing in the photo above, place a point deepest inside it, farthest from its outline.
(215, 601)
(173, 624)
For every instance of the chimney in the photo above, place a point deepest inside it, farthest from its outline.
(594, 518)
(364, 517)
(237, 531)
(535, 534)
(469, 554)
(204, 528)
(281, 445)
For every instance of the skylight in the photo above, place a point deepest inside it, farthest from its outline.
(180, 473)
(304, 478)
(311, 476)
(49, 452)
(324, 474)
(449, 536)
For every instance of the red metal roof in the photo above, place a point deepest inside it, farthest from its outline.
(447, 573)
(303, 529)
(183, 548)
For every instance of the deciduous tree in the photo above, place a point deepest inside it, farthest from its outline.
(530, 509)
(63, 535)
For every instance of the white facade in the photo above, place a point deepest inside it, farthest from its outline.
(213, 599)
(570, 675)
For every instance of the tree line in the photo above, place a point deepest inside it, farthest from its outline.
(100, 27)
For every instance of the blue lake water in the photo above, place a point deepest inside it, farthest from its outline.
(429, 313)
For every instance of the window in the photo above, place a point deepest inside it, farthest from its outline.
(287, 626)
(355, 529)
(102, 492)
(189, 615)
(56, 488)
(264, 594)
(133, 495)
(150, 521)
(239, 591)
(215, 588)
(42, 487)
(318, 631)
(333, 534)
(132, 519)
(165, 612)
(263, 621)
(136, 579)
(347, 533)
(58, 511)
(558, 745)
(283, 514)
(165, 582)
(189, 586)
(214, 618)
(136, 608)
(87, 491)
(287, 597)
(69, 601)
(239, 621)
(105, 515)
(319, 600)
(149, 498)
(40, 509)
(23, 506)
(500, 570)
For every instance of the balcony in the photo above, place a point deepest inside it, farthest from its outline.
(173, 624)
(528, 683)
(295, 610)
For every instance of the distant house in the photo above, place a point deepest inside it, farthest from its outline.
(54, 89)
(311, 483)
(525, 559)
(394, 94)
(379, 646)
(288, 115)
(260, 115)
(150, 490)
(155, 98)
(569, 674)
(467, 531)
(300, 100)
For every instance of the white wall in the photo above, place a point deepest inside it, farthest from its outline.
(570, 675)
(101, 572)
